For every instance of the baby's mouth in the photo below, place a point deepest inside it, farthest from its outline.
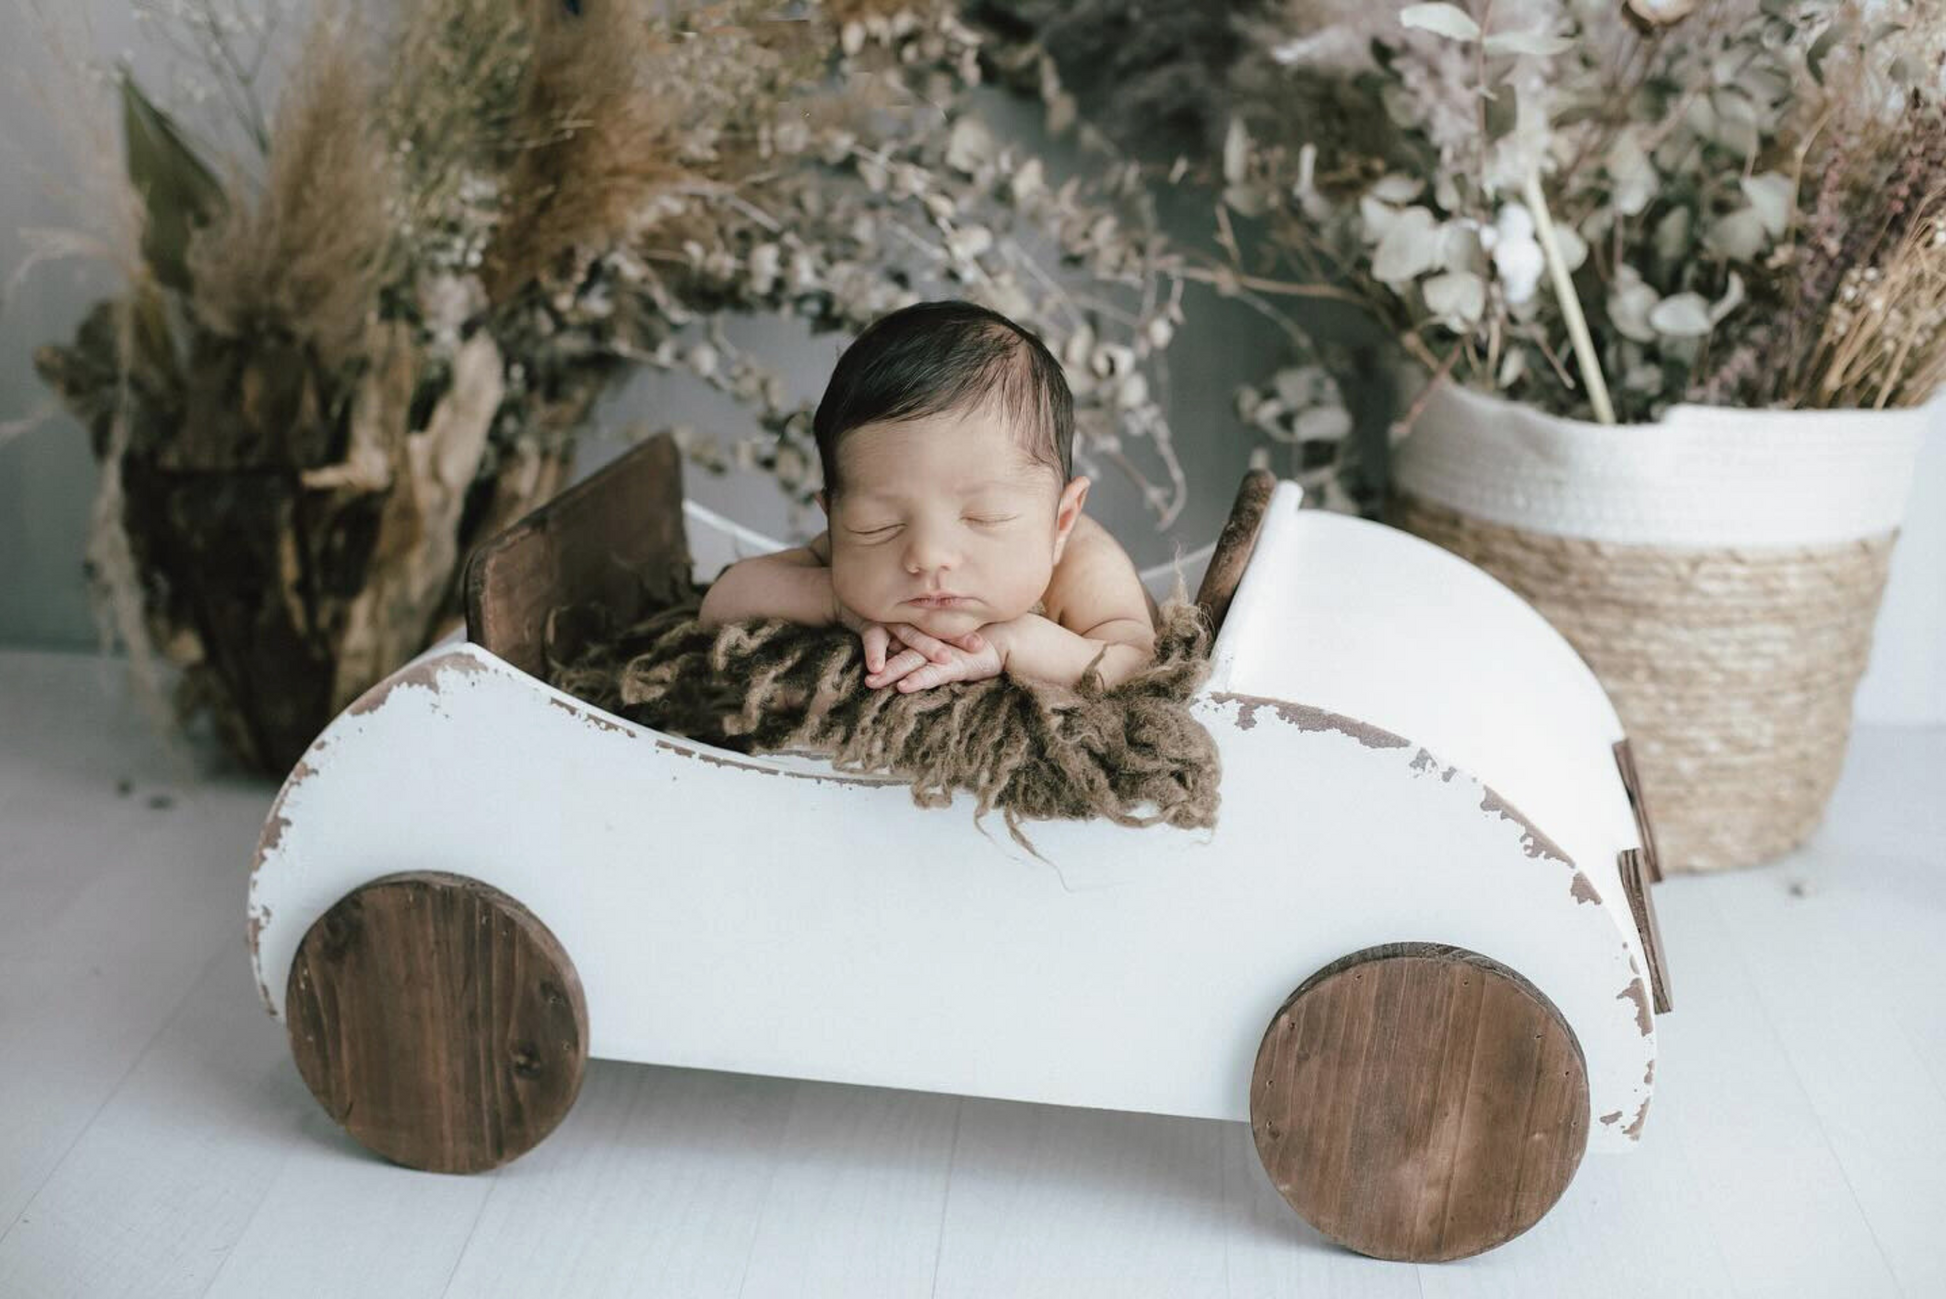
(939, 601)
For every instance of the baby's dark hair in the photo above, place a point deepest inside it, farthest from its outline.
(933, 357)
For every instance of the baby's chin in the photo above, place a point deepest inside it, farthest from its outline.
(942, 623)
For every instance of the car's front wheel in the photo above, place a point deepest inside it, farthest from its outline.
(1419, 1101)
(438, 1020)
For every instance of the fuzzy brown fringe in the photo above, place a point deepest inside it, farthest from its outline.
(1036, 750)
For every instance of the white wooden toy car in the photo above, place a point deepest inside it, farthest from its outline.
(1416, 954)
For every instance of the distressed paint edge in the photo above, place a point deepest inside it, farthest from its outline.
(1306, 717)
(1534, 842)
(423, 672)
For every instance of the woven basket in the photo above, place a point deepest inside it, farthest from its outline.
(1720, 572)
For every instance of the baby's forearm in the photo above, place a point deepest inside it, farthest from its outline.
(764, 587)
(1043, 649)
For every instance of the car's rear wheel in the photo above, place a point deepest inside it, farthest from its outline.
(438, 1020)
(1418, 1101)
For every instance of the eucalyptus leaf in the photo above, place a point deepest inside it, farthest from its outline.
(1574, 249)
(178, 190)
(1457, 297)
(1771, 196)
(1732, 299)
(1441, 19)
(1409, 248)
(1299, 385)
(1322, 424)
(1502, 112)
(1376, 216)
(1537, 44)
(1739, 236)
(1672, 234)
(1236, 150)
(1631, 304)
(1397, 187)
(1686, 315)
(969, 145)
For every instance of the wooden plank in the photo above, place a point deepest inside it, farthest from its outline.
(88, 988)
(1630, 1227)
(859, 1194)
(78, 736)
(652, 1185)
(1269, 1250)
(1773, 1188)
(1061, 1202)
(161, 1182)
(337, 1220)
(1840, 967)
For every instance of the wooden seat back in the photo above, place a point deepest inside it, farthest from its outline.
(1234, 546)
(614, 540)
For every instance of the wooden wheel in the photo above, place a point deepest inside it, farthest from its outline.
(1420, 1102)
(438, 1021)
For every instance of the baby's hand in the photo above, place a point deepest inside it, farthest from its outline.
(876, 638)
(930, 661)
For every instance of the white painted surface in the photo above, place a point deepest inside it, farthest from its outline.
(1702, 476)
(158, 1142)
(829, 955)
(724, 915)
(1372, 622)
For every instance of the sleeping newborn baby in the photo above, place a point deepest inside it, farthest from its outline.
(955, 547)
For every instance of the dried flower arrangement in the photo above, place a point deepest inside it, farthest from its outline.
(1730, 185)
(371, 341)
(1726, 187)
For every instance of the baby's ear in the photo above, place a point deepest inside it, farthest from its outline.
(822, 506)
(1067, 513)
(1068, 510)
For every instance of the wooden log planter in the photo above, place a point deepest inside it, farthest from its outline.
(1427, 972)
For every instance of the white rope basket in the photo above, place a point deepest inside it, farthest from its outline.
(1720, 572)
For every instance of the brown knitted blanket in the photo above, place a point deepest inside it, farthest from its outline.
(1035, 749)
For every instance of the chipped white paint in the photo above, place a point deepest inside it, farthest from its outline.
(770, 915)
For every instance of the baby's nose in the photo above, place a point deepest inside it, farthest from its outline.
(926, 551)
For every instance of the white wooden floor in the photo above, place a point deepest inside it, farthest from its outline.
(156, 1141)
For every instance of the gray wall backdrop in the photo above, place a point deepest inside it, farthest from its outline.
(48, 476)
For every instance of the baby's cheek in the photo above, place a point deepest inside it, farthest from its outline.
(854, 589)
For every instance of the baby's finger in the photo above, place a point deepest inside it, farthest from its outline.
(876, 638)
(926, 643)
(898, 665)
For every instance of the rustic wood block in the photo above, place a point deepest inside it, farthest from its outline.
(1421, 1102)
(438, 1021)
(615, 539)
(1234, 546)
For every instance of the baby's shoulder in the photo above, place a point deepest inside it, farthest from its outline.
(1094, 574)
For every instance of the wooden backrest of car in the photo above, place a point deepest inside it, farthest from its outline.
(615, 539)
(1234, 546)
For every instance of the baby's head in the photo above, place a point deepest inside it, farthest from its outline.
(946, 436)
